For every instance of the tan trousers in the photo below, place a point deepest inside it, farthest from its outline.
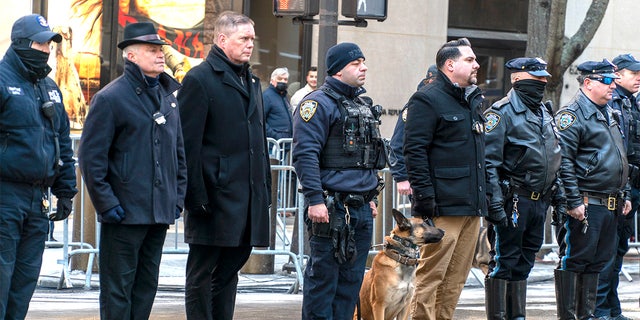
(444, 267)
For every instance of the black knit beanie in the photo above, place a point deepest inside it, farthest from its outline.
(340, 55)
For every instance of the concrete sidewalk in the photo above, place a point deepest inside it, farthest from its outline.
(265, 297)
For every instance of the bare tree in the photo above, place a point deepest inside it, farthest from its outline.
(546, 38)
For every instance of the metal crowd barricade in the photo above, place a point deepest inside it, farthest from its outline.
(288, 199)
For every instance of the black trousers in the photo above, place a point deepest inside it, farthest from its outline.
(212, 280)
(588, 252)
(129, 267)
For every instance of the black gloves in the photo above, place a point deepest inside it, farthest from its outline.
(201, 210)
(559, 214)
(63, 210)
(113, 215)
(423, 208)
(178, 211)
(496, 215)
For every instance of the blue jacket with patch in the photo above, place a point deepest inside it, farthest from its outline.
(312, 121)
(27, 147)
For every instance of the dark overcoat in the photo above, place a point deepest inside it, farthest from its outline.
(228, 166)
(127, 158)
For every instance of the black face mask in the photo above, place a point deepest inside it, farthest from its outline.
(34, 60)
(282, 87)
(530, 92)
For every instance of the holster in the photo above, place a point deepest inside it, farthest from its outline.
(339, 231)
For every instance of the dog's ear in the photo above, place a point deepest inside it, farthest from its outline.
(401, 220)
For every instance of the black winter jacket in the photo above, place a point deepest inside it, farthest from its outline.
(521, 147)
(127, 158)
(444, 147)
(227, 158)
(593, 154)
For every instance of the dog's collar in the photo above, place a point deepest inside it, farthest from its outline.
(405, 242)
(397, 256)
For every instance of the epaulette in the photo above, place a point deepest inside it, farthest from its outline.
(500, 103)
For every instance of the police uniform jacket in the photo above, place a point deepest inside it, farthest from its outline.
(629, 112)
(593, 154)
(27, 147)
(444, 147)
(127, 158)
(227, 159)
(276, 109)
(396, 158)
(312, 121)
(520, 147)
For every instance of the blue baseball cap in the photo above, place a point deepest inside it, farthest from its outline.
(35, 28)
(534, 66)
(599, 68)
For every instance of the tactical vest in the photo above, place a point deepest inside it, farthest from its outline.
(354, 141)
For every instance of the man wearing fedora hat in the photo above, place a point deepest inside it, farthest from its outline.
(132, 159)
(35, 154)
(594, 173)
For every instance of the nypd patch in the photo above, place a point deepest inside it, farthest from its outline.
(308, 109)
(404, 115)
(492, 121)
(565, 120)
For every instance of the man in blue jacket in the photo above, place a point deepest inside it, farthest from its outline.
(35, 154)
(276, 105)
(133, 161)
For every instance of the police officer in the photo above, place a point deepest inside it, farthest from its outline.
(594, 173)
(624, 102)
(337, 151)
(35, 154)
(396, 158)
(522, 157)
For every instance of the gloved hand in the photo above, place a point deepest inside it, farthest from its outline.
(113, 215)
(63, 209)
(178, 211)
(424, 208)
(201, 210)
(496, 215)
(559, 214)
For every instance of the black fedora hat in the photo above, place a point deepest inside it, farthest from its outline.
(140, 32)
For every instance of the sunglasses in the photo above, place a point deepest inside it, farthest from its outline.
(604, 80)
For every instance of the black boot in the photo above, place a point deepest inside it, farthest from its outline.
(517, 300)
(495, 296)
(587, 290)
(565, 282)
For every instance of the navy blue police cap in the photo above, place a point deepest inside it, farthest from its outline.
(598, 68)
(35, 28)
(534, 66)
(626, 61)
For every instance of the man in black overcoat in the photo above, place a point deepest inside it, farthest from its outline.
(228, 168)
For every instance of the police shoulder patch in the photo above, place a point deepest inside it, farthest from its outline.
(404, 115)
(492, 121)
(565, 120)
(308, 109)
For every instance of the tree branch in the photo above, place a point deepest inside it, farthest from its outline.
(579, 41)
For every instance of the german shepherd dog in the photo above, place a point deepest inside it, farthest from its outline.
(387, 289)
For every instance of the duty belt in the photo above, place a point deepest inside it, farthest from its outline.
(368, 195)
(531, 195)
(602, 199)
